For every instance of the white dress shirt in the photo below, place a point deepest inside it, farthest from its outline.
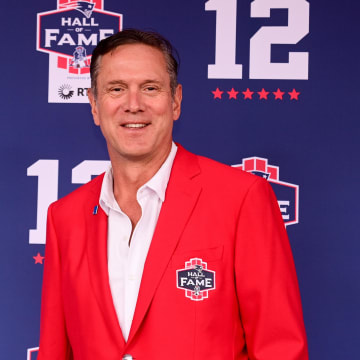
(126, 262)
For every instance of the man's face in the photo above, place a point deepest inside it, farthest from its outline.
(134, 106)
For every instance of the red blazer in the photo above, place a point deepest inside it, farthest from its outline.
(230, 222)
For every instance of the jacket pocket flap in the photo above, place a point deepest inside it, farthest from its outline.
(179, 259)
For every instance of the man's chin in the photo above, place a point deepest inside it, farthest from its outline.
(138, 154)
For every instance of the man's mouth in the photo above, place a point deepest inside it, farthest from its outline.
(134, 126)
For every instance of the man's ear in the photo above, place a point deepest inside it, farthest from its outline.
(177, 102)
(93, 105)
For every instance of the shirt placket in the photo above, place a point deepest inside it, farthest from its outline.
(120, 228)
(133, 273)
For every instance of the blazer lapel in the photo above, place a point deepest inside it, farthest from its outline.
(181, 196)
(97, 252)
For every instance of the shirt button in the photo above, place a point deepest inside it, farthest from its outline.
(131, 277)
(127, 357)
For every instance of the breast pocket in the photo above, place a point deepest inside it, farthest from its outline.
(196, 271)
(207, 255)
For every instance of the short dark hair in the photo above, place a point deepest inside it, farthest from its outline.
(134, 36)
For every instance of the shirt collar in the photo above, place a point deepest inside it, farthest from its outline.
(158, 183)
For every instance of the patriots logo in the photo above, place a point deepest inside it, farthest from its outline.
(85, 7)
(199, 269)
(79, 59)
(262, 174)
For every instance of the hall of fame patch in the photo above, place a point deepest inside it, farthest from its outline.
(196, 279)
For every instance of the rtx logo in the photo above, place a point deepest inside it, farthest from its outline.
(82, 92)
(65, 92)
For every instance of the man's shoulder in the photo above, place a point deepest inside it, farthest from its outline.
(213, 166)
(217, 172)
(85, 194)
(228, 185)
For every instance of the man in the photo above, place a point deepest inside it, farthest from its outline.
(168, 255)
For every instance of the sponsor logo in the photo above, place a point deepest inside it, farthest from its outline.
(65, 91)
(69, 35)
(196, 279)
(286, 193)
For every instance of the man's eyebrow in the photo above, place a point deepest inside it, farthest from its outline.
(116, 82)
(122, 82)
(150, 81)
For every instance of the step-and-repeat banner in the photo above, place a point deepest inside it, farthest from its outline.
(270, 86)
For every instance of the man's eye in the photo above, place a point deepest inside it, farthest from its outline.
(117, 89)
(151, 88)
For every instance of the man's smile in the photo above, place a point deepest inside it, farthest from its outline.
(134, 126)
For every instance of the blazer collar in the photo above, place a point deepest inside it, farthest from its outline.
(181, 196)
(97, 224)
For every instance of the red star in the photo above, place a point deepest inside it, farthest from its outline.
(248, 94)
(217, 93)
(263, 94)
(278, 94)
(38, 258)
(232, 94)
(294, 95)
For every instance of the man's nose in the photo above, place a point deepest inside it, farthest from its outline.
(134, 102)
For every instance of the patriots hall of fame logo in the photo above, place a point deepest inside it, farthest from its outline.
(69, 35)
(287, 194)
(196, 279)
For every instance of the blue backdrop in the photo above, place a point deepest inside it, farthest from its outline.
(293, 105)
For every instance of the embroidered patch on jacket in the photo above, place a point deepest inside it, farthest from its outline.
(196, 279)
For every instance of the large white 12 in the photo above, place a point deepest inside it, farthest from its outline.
(260, 66)
(260, 44)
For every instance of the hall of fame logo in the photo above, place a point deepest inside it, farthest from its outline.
(286, 193)
(69, 35)
(196, 279)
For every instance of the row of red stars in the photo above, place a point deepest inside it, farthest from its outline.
(263, 94)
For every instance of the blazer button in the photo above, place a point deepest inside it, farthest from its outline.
(127, 357)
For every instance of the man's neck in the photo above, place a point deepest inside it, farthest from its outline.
(129, 176)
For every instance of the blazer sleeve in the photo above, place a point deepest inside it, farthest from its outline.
(266, 282)
(54, 343)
